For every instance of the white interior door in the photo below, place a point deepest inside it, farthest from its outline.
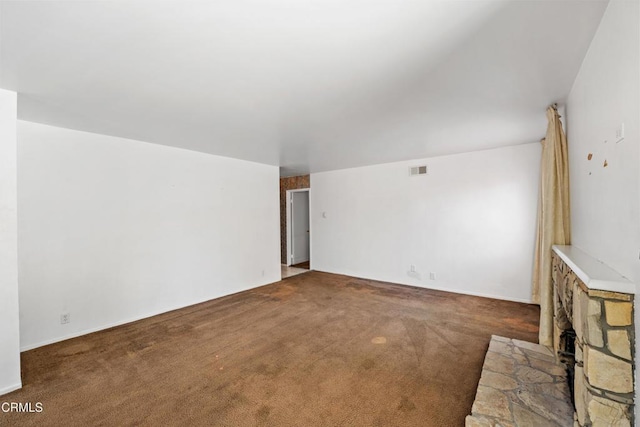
(300, 226)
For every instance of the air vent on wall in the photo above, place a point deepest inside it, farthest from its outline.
(417, 170)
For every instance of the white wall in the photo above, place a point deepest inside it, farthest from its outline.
(605, 202)
(471, 221)
(112, 230)
(9, 330)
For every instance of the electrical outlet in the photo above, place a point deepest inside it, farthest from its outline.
(65, 318)
(432, 276)
(412, 268)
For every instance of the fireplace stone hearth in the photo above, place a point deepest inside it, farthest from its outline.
(522, 384)
(527, 384)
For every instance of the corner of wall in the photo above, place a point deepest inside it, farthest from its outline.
(9, 309)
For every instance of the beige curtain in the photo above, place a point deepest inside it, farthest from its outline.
(553, 218)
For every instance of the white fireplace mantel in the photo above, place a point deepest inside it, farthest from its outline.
(592, 272)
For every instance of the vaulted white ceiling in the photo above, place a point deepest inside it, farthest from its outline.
(308, 85)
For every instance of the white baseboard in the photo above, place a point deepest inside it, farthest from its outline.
(95, 329)
(128, 320)
(147, 315)
(483, 295)
(436, 288)
(10, 388)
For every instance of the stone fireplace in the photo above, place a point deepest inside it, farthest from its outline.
(594, 336)
(586, 380)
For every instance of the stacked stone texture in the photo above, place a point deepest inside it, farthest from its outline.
(603, 322)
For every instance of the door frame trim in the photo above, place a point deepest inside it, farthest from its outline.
(289, 223)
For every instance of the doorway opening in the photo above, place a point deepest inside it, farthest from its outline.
(298, 232)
